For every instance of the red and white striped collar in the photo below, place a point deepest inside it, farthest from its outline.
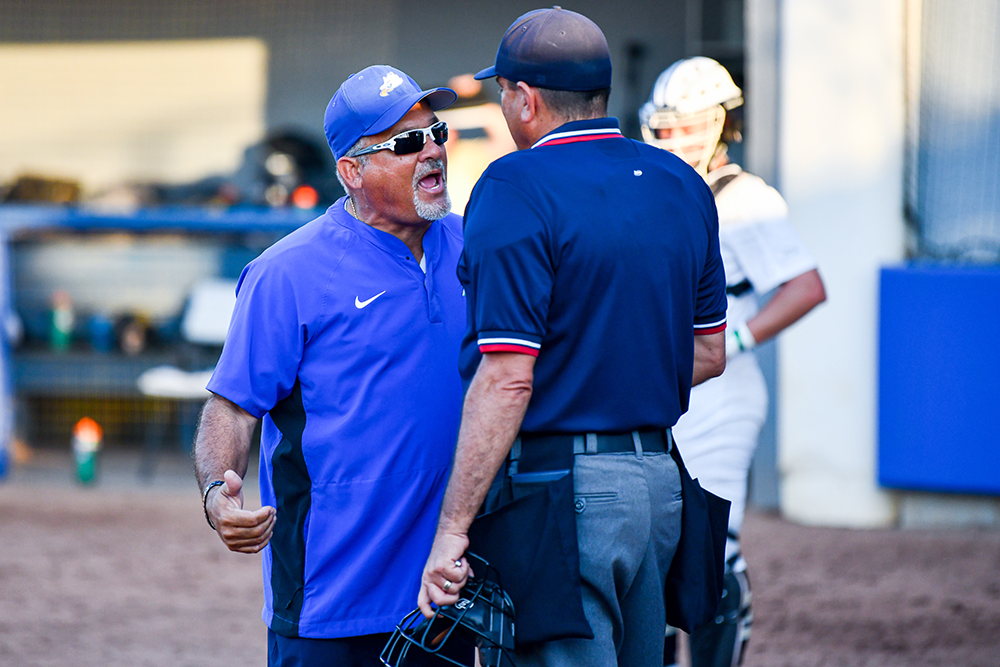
(574, 136)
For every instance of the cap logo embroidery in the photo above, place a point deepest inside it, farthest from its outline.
(390, 82)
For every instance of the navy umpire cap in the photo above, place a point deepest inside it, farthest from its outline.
(555, 49)
(372, 101)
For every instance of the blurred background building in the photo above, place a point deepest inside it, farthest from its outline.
(148, 150)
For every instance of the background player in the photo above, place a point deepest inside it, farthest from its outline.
(761, 251)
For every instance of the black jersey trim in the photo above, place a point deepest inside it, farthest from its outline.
(292, 490)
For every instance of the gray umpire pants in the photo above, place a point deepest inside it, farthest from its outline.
(628, 523)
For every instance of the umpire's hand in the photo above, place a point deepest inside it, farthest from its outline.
(241, 530)
(445, 572)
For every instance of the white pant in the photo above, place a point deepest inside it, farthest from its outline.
(718, 434)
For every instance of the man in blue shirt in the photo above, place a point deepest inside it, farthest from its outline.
(344, 344)
(596, 299)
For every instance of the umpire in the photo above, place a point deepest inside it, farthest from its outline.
(596, 299)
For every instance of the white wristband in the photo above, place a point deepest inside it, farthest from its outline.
(739, 340)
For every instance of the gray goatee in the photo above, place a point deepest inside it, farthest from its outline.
(426, 210)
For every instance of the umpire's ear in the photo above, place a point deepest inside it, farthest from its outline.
(528, 102)
(350, 170)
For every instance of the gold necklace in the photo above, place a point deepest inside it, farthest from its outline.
(354, 210)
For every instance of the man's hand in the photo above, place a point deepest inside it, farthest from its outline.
(445, 573)
(241, 530)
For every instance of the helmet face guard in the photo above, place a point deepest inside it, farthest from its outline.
(690, 98)
(483, 614)
(694, 137)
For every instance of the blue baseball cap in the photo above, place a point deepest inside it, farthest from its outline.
(372, 101)
(556, 49)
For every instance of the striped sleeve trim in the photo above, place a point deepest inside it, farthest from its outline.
(509, 345)
(710, 328)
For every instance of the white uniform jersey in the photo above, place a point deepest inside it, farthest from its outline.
(718, 434)
(757, 239)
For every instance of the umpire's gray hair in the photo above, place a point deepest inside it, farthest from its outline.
(571, 105)
(576, 105)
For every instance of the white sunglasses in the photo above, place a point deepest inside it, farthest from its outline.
(411, 141)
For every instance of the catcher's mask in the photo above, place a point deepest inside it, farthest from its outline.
(483, 614)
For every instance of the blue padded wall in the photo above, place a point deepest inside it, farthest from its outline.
(939, 379)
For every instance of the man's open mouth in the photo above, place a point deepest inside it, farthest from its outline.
(432, 182)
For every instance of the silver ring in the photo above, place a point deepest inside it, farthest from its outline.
(447, 585)
(458, 563)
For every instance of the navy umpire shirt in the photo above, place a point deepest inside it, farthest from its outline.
(599, 255)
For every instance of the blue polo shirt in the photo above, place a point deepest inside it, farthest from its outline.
(349, 353)
(599, 255)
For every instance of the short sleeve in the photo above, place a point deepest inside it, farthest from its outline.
(758, 234)
(507, 268)
(770, 252)
(710, 302)
(264, 346)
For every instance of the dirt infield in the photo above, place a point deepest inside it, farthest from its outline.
(127, 574)
(879, 598)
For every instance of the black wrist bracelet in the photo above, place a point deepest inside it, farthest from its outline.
(204, 500)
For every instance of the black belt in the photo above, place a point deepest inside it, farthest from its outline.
(740, 288)
(535, 446)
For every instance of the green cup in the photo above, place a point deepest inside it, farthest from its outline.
(86, 467)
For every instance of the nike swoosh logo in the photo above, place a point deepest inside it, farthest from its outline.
(359, 304)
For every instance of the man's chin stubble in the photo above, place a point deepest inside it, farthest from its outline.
(432, 211)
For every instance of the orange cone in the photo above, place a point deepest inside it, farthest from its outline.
(87, 435)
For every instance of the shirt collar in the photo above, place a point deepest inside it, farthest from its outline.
(581, 130)
(339, 211)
